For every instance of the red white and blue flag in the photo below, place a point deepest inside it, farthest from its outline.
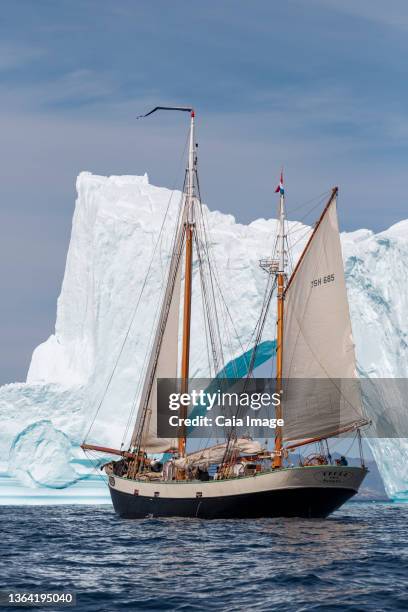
(280, 188)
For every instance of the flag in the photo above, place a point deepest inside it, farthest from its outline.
(280, 188)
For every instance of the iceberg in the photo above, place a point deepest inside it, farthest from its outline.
(41, 456)
(114, 243)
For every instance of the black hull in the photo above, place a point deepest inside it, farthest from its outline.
(311, 502)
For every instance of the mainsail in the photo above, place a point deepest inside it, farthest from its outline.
(164, 357)
(317, 339)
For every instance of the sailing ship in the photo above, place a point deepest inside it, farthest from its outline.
(313, 343)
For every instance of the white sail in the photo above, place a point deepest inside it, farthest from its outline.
(215, 454)
(317, 339)
(163, 360)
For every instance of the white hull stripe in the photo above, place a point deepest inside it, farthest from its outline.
(327, 476)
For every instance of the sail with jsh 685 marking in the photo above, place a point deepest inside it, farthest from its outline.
(317, 339)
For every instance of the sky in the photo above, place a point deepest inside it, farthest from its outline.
(316, 86)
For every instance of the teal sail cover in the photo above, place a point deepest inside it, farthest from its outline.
(238, 368)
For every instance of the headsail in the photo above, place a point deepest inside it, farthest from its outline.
(317, 339)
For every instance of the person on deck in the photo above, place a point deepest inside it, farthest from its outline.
(342, 461)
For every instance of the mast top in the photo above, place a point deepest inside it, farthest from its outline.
(183, 109)
(277, 265)
(280, 188)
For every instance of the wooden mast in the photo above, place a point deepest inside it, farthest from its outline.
(185, 357)
(189, 226)
(277, 461)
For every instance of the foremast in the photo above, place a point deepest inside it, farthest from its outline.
(277, 267)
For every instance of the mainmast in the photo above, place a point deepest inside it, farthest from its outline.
(189, 230)
(277, 462)
(186, 234)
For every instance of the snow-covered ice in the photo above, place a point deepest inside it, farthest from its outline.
(41, 456)
(115, 228)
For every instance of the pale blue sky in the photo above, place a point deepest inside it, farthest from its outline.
(317, 85)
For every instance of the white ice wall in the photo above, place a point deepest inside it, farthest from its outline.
(115, 227)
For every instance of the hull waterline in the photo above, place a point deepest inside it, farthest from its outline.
(309, 492)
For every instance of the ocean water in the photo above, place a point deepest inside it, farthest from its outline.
(355, 560)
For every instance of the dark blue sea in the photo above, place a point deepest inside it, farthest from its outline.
(355, 560)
